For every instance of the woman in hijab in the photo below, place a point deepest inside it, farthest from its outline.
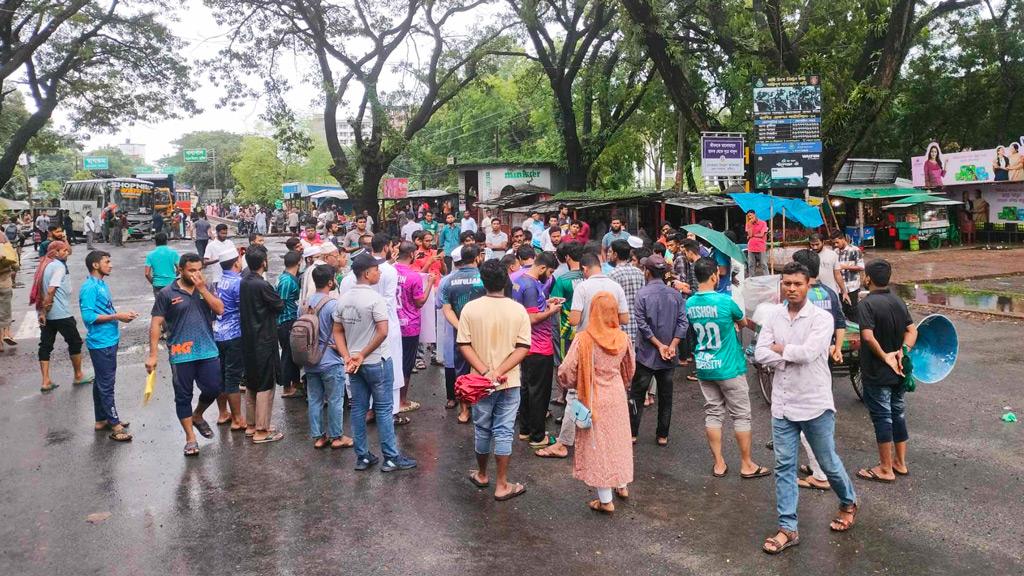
(600, 366)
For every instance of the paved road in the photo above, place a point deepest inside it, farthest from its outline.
(287, 509)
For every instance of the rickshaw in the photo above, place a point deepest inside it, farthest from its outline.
(849, 368)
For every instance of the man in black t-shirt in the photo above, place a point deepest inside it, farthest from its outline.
(885, 328)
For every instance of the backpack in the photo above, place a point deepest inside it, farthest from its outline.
(304, 337)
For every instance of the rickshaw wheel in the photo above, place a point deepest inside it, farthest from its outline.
(856, 381)
(935, 242)
(764, 379)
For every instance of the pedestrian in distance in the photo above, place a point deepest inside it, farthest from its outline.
(361, 321)
(201, 231)
(260, 306)
(886, 331)
(660, 314)
(187, 307)
(161, 263)
(795, 342)
(721, 368)
(599, 366)
(494, 337)
(102, 336)
(51, 295)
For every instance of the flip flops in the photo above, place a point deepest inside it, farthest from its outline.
(272, 437)
(85, 380)
(412, 407)
(475, 482)
(10, 341)
(717, 475)
(518, 490)
(203, 428)
(49, 388)
(192, 449)
(544, 453)
(759, 473)
(869, 474)
(120, 436)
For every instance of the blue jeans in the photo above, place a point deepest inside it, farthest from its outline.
(374, 380)
(494, 419)
(820, 433)
(888, 408)
(104, 365)
(329, 384)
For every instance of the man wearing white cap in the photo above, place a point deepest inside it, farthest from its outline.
(227, 332)
(214, 249)
(326, 253)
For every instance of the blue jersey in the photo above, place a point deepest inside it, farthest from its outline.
(189, 323)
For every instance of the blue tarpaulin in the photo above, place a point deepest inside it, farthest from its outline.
(293, 190)
(765, 206)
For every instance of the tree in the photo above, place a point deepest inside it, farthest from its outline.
(589, 58)
(105, 62)
(859, 48)
(258, 171)
(222, 148)
(120, 164)
(354, 42)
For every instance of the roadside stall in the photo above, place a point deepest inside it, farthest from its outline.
(719, 209)
(790, 222)
(869, 224)
(923, 218)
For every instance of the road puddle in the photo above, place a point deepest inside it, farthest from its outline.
(987, 296)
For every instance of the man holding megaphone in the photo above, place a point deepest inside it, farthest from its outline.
(885, 329)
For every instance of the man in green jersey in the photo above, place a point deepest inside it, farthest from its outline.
(563, 288)
(721, 368)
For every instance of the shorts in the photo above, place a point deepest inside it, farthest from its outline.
(730, 395)
(205, 374)
(68, 330)
(232, 369)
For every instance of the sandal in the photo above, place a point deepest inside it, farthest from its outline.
(343, 442)
(84, 380)
(412, 407)
(461, 421)
(476, 481)
(450, 404)
(320, 443)
(274, 436)
(402, 420)
(806, 483)
(224, 422)
(192, 449)
(548, 440)
(759, 473)
(50, 388)
(869, 474)
(717, 475)
(250, 432)
(10, 341)
(597, 506)
(420, 364)
(840, 524)
(236, 428)
(518, 490)
(622, 493)
(547, 453)
(792, 539)
(120, 436)
(203, 428)
(662, 442)
(691, 378)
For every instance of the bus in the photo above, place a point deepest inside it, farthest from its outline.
(133, 196)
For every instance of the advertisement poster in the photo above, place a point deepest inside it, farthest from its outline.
(1000, 164)
(787, 132)
(1005, 203)
(395, 188)
(721, 156)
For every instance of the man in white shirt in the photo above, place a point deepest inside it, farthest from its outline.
(485, 222)
(468, 223)
(795, 342)
(409, 228)
(829, 274)
(89, 226)
(219, 245)
(369, 220)
(497, 241)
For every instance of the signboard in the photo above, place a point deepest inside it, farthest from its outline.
(721, 156)
(1005, 202)
(493, 180)
(142, 170)
(787, 132)
(395, 188)
(96, 163)
(173, 170)
(197, 155)
(999, 164)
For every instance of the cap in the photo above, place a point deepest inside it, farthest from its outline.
(457, 254)
(365, 261)
(313, 250)
(328, 248)
(655, 262)
(229, 253)
(635, 242)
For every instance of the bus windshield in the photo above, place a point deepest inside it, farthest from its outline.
(132, 197)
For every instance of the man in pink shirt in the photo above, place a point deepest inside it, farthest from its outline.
(411, 297)
(757, 230)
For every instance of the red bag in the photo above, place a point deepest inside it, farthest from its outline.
(471, 388)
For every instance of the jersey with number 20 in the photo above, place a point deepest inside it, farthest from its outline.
(718, 353)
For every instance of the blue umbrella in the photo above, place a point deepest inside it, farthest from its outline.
(718, 240)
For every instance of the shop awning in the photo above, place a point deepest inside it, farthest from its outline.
(700, 201)
(510, 199)
(921, 199)
(428, 193)
(551, 206)
(329, 193)
(873, 193)
(766, 206)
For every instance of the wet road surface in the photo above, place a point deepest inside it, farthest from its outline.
(285, 508)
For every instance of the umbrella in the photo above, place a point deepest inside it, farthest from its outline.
(718, 240)
(921, 199)
(472, 388)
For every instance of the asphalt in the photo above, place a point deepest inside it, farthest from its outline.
(287, 509)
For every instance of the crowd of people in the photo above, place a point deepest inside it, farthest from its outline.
(541, 314)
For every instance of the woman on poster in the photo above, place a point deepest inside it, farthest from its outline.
(934, 169)
(1016, 166)
(1001, 165)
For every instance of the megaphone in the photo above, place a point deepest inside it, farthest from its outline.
(935, 353)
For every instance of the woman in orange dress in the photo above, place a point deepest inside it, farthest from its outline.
(600, 365)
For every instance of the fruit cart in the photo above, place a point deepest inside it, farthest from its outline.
(923, 218)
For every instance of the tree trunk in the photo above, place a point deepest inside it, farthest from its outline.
(22, 136)
(680, 150)
(373, 172)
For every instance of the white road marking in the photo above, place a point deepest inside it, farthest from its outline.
(29, 327)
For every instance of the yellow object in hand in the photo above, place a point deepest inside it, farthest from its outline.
(148, 392)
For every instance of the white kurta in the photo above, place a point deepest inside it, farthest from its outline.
(428, 315)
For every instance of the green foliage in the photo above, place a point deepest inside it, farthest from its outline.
(226, 145)
(258, 171)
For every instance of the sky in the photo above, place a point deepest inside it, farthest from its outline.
(197, 27)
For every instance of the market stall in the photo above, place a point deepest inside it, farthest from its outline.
(870, 222)
(924, 218)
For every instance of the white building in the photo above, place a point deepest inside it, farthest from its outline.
(346, 134)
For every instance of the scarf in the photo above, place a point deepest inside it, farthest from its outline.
(37, 293)
(603, 331)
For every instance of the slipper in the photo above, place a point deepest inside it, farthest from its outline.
(662, 442)
(120, 436)
(250, 432)
(466, 421)
(473, 480)
(691, 378)
(412, 407)
(320, 443)
(519, 490)
(86, 380)
(192, 449)
(272, 437)
(293, 395)
(597, 506)
(543, 454)
(107, 426)
(338, 443)
(450, 404)
(401, 420)
(869, 474)
(10, 341)
(223, 422)
(548, 440)
(898, 473)
(203, 427)
(805, 483)
(759, 473)
(49, 388)
(805, 470)
(722, 475)
(237, 428)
